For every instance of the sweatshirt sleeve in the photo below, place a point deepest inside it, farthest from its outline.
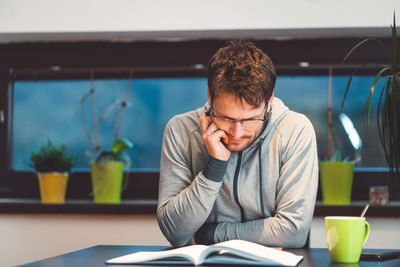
(185, 199)
(295, 197)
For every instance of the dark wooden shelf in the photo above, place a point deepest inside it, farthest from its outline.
(30, 206)
(149, 206)
(355, 209)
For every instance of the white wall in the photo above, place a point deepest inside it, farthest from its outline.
(35, 237)
(384, 233)
(146, 16)
(27, 238)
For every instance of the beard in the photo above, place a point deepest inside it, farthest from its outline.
(237, 145)
(241, 144)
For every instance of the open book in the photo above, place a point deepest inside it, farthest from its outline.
(228, 252)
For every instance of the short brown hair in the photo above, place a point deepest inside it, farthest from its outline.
(244, 70)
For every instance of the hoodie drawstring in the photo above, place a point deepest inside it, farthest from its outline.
(260, 177)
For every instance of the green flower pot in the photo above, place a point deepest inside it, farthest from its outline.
(336, 182)
(107, 181)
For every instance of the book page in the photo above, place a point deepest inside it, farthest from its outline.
(189, 253)
(255, 253)
(225, 257)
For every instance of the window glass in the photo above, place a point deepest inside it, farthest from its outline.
(52, 109)
(309, 95)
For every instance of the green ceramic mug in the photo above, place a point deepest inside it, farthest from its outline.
(346, 236)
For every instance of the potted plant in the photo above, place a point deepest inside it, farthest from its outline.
(388, 111)
(107, 168)
(336, 175)
(336, 180)
(52, 164)
(107, 172)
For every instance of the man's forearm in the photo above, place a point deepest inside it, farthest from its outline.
(183, 211)
(270, 232)
(182, 215)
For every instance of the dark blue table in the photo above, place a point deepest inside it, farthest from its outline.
(97, 255)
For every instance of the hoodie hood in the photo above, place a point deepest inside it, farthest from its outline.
(278, 111)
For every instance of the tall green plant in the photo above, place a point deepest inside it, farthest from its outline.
(388, 112)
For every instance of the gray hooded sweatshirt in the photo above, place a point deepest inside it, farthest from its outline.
(266, 193)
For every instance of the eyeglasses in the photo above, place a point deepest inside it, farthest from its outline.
(224, 121)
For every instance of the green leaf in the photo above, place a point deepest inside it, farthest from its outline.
(124, 157)
(387, 54)
(354, 48)
(348, 87)
(363, 42)
(105, 156)
(371, 92)
(337, 156)
(120, 145)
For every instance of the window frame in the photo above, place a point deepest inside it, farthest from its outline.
(154, 59)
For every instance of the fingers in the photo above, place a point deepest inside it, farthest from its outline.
(214, 139)
(225, 138)
(216, 145)
(208, 127)
(205, 121)
(217, 135)
(212, 128)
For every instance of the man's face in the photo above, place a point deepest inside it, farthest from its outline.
(229, 106)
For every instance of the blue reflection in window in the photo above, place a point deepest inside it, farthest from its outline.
(51, 109)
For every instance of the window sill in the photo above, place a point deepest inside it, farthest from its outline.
(149, 206)
(32, 206)
(355, 209)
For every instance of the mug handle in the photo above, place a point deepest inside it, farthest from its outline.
(366, 233)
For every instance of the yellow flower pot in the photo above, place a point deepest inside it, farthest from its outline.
(53, 186)
(107, 181)
(336, 182)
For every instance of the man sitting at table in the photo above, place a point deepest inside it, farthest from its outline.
(243, 166)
